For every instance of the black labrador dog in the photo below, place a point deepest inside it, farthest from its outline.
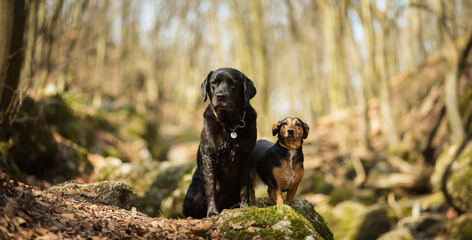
(222, 177)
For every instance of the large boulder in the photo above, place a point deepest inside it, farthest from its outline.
(72, 159)
(166, 194)
(33, 146)
(114, 193)
(425, 226)
(452, 175)
(352, 220)
(139, 175)
(279, 222)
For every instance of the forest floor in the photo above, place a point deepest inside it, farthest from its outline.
(34, 213)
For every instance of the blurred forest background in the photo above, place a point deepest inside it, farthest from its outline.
(385, 86)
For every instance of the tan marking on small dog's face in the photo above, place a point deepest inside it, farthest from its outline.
(291, 131)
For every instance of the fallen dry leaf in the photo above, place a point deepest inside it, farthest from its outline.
(202, 227)
(236, 226)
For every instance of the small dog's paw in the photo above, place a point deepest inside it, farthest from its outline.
(280, 208)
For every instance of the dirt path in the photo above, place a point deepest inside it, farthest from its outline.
(28, 212)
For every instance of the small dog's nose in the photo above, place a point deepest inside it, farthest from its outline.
(220, 96)
(290, 131)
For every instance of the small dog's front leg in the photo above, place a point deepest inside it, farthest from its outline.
(291, 194)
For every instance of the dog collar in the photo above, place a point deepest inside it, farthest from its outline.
(281, 144)
(240, 124)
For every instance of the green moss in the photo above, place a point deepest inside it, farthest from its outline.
(269, 222)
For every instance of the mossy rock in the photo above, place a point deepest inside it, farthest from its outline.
(453, 172)
(461, 228)
(114, 193)
(273, 222)
(167, 192)
(425, 226)
(352, 220)
(397, 234)
(314, 182)
(139, 175)
(75, 124)
(73, 160)
(33, 145)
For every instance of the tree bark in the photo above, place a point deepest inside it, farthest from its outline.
(15, 19)
(49, 41)
(6, 20)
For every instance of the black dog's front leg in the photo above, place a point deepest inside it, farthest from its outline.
(210, 185)
(245, 181)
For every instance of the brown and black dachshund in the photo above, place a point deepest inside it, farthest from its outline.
(229, 133)
(280, 165)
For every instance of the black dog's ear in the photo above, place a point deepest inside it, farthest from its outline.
(204, 88)
(249, 89)
(306, 129)
(276, 128)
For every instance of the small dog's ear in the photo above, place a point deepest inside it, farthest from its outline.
(249, 89)
(205, 87)
(276, 128)
(306, 130)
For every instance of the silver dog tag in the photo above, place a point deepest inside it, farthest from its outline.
(233, 135)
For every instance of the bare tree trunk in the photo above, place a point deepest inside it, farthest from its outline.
(78, 9)
(412, 32)
(243, 53)
(259, 56)
(101, 49)
(371, 69)
(386, 111)
(49, 41)
(31, 38)
(7, 9)
(364, 123)
(13, 14)
(451, 52)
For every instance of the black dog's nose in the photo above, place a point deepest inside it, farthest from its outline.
(220, 96)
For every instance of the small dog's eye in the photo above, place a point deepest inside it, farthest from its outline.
(285, 123)
(298, 124)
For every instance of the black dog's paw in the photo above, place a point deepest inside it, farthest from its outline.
(212, 212)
